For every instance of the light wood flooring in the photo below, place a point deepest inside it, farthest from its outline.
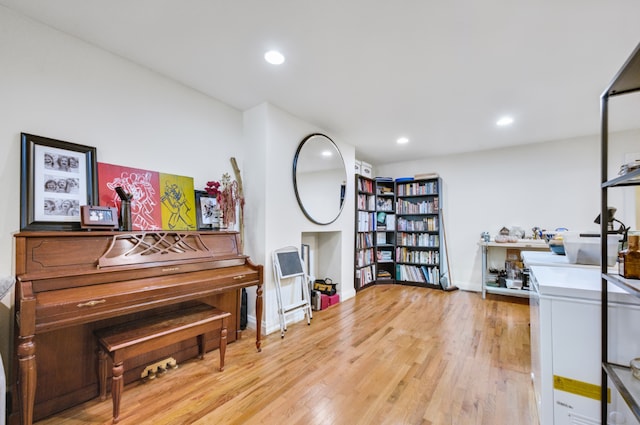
(391, 355)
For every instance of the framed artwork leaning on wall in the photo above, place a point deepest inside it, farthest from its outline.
(56, 179)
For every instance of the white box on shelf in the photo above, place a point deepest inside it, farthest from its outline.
(358, 167)
(366, 170)
(586, 249)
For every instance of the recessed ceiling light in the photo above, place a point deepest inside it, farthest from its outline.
(274, 57)
(402, 141)
(504, 121)
(326, 153)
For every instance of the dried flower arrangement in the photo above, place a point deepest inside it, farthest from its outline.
(228, 198)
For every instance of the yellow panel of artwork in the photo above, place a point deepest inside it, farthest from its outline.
(177, 198)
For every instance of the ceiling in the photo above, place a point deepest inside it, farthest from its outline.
(370, 71)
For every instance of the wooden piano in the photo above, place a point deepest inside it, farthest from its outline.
(71, 283)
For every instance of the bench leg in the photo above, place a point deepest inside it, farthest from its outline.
(200, 347)
(117, 386)
(223, 342)
(102, 373)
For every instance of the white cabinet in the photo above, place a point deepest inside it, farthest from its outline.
(565, 343)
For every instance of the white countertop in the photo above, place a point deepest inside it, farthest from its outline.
(548, 258)
(576, 282)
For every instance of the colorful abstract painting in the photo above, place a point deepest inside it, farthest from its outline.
(144, 185)
(160, 201)
(177, 198)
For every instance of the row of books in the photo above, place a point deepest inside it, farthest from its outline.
(424, 188)
(366, 221)
(417, 239)
(364, 257)
(429, 206)
(364, 276)
(385, 255)
(384, 204)
(406, 255)
(366, 202)
(365, 185)
(364, 240)
(429, 224)
(422, 274)
(385, 221)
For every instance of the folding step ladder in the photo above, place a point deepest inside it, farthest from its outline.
(288, 269)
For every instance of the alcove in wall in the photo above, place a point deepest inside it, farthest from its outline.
(324, 255)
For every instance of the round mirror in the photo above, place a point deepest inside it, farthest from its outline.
(319, 178)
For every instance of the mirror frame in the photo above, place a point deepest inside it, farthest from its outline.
(295, 182)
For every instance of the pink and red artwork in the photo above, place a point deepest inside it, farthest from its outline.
(144, 185)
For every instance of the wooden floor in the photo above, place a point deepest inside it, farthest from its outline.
(391, 355)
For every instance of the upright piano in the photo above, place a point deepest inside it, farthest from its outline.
(70, 283)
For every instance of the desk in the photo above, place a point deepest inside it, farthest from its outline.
(528, 244)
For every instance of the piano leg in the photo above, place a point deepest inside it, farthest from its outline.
(28, 373)
(259, 316)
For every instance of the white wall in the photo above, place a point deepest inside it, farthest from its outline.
(56, 86)
(549, 185)
(279, 133)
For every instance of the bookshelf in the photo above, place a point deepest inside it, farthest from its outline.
(400, 233)
(365, 264)
(419, 252)
(385, 230)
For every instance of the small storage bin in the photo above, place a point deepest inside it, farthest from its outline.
(586, 249)
(328, 300)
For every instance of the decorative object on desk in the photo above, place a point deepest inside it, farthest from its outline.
(629, 259)
(486, 237)
(125, 209)
(207, 211)
(556, 245)
(56, 178)
(517, 231)
(95, 217)
(228, 196)
(236, 172)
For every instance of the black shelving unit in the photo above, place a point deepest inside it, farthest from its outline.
(365, 264)
(419, 243)
(385, 230)
(626, 81)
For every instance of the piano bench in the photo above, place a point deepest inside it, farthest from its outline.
(125, 341)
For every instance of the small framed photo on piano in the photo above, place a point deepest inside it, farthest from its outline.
(94, 217)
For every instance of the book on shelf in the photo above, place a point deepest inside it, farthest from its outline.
(384, 274)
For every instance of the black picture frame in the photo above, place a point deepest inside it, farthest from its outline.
(204, 219)
(71, 166)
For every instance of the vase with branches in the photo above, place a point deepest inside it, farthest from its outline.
(228, 198)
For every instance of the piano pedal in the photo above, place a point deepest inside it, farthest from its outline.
(158, 369)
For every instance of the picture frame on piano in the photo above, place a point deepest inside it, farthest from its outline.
(93, 217)
(56, 179)
(207, 211)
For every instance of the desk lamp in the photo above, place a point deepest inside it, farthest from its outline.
(622, 230)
